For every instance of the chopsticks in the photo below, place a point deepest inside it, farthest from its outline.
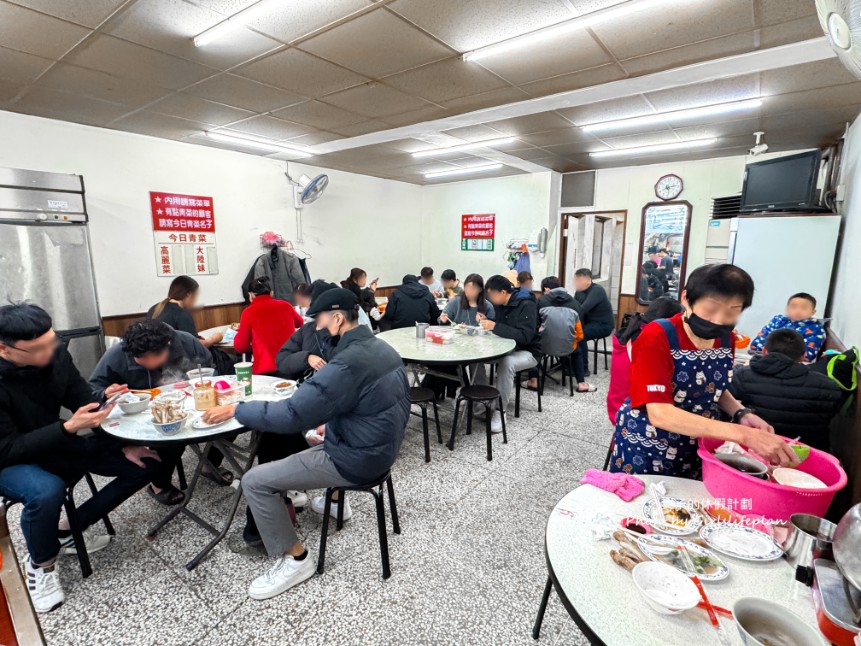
(718, 610)
(692, 573)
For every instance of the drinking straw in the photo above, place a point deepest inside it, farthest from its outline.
(200, 373)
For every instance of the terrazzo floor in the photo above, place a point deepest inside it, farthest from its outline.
(468, 567)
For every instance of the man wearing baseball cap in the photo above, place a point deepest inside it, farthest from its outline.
(361, 395)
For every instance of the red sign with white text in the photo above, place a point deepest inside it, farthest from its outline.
(481, 225)
(178, 212)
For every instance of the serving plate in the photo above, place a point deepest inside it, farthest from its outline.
(662, 549)
(200, 425)
(691, 526)
(741, 542)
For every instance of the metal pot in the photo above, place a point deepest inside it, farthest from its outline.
(847, 545)
(809, 538)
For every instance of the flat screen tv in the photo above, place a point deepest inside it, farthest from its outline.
(782, 184)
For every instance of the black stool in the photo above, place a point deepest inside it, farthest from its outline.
(487, 396)
(519, 377)
(562, 363)
(74, 526)
(375, 488)
(421, 397)
(596, 352)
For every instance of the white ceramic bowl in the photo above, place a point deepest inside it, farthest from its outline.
(763, 622)
(285, 391)
(139, 406)
(171, 428)
(796, 478)
(664, 588)
(176, 396)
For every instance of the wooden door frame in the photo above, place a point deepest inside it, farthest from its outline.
(563, 241)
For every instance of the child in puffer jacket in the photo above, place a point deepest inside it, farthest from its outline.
(800, 309)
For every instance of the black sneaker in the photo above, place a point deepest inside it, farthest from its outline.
(251, 537)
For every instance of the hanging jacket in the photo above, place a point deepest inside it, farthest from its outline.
(519, 321)
(31, 430)
(292, 359)
(283, 271)
(789, 396)
(409, 304)
(811, 330)
(363, 397)
(119, 367)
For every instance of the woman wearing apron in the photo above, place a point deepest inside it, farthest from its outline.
(680, 371)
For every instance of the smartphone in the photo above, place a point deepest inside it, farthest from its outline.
(375, 281)
(109, 402)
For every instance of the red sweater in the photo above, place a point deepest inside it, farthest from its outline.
(264, 327)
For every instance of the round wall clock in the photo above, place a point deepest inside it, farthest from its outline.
(669, 187)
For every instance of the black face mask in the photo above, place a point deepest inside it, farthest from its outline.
(706, 329)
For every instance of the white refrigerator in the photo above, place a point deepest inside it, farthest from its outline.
(784, 254)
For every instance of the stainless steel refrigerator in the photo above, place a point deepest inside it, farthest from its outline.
(45, 256)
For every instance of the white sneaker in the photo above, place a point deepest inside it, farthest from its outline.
(43, 584)
(298, 498)
(93, 542)
(319, 505)
(282, 576)
(496, 422)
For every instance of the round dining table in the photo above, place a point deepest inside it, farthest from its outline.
(138, 429)
(601, 598)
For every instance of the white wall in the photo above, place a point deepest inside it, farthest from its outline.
(522, 207)
(361, 221)
(845, 305)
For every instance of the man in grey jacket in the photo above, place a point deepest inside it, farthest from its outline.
(362, 397)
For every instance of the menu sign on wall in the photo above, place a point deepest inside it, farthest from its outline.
(184, 234)
(477, 231)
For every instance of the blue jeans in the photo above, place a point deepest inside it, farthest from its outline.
(42, 490)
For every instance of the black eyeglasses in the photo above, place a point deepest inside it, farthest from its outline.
(46, 347)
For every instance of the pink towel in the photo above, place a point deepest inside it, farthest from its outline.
(627, 487)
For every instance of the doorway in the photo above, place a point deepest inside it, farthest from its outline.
(594, 240)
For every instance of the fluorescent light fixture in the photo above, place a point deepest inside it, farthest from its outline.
(675, 115)
(464, 147)
(257, 144)
(463, 171)
(233, 22)
(552, 31)
(647, 150)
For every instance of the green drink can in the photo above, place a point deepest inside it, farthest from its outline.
(243, 375)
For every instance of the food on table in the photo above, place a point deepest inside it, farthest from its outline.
(167, 412)
(665, 549)
(223, 385)
(678, 516)
(284, 384)
(180, 385)
(152, 392)
(722, 515)
(205, 397)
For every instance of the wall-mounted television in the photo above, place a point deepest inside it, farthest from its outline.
(790, 183)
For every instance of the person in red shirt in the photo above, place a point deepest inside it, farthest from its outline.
(265, 326)
(680, 372)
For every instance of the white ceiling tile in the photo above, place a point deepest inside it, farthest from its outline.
(89, 13)
(298, 18)
(270, 128)
(446, 80)
(243, 93)
(736, 88)
(574, 81)
(134, 93)
(9, 90)
(298, 71)
(65, 106)
(376, 44)
(21, 67)
(194, 108)
(35, 33)
(374, 100)
(690, 53)
(319, 115)
(159, 125)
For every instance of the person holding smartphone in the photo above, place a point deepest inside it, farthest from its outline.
(41, 454)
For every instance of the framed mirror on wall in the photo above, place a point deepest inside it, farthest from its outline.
(664, 233)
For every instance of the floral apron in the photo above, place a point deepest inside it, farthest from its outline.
(700, 377)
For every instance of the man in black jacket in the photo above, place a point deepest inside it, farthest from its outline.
(302, 354)
(409, 304)
(516, 318)
(596, 315)
(362, 397)
(786, 393)
(40, 453)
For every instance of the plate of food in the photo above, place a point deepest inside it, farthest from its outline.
(741, 541)
(680, 516)
(199, 425)
(664, 549)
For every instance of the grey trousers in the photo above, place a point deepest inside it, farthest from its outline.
(264, 487)
(508, 367)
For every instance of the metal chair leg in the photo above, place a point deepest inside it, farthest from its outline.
(469, 417)
(454, 424)
(396, 523)
(569, 360)
(536, 629)
(180, 475)
(425, 431)
(436, 419)
(517, 395)
(324, 532)
(502, 417)
(609, 454)
(488, 414)
(77, 534)
(341, 494)
(381, 527)
(604, 344)
(109, 528)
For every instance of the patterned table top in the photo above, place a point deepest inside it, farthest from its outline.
(139, 429)
(604, 595)
(464, 349)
